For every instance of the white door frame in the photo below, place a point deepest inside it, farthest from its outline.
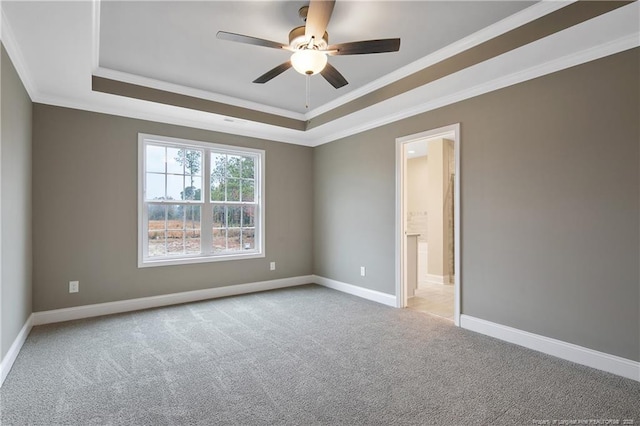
(449, 132)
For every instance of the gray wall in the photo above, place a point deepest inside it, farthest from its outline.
(550, 215)
(85, 204)
(354, 199)
(15, 179)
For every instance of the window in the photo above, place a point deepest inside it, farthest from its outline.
(198, 202)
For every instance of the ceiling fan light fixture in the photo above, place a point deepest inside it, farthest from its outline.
(308, 61)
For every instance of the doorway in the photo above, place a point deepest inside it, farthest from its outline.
(428, 222)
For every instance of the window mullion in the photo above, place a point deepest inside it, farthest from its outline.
(206, 224)
(145, 229)
(166, 234)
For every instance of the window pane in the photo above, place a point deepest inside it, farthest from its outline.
(192, 217)
(233, 240)
(175, 160)
(248, 216)
(218, 166)
(248, 168)
(233, 216)
(233, 166)
(174, 212)
(219, 240)
(156, 243)
(192, 245)
(192, 161)
(218, 189)
(156, 213)
(247, 190)
(154, 160)
(233, 189)
(175, 187)
(175, 242)
(192, 229)
(219, 217)
(193, 188)
(176, 220)
(248, 239)
(155, 186)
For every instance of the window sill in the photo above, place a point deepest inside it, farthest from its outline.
(149, 263)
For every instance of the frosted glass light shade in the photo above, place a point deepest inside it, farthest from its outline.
(308, 61)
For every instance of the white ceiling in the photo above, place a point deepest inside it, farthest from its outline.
(417, 149)
(176, 42)
(54, 46)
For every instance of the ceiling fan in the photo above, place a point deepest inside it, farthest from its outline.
(310, 45)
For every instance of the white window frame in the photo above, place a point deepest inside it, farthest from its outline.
(206, 213)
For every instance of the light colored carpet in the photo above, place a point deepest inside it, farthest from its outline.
(300, 356)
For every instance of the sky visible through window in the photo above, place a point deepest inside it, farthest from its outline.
(183, 170)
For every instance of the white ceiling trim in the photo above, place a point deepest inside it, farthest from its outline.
(606, 49)
(168, 114)
(599, 37)
(516, 20)
(197, 93)
(95, 36)
(605, 35)
(14, 52)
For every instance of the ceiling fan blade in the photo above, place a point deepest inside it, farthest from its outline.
(365, 47)
(333, 76)
(239, 38)
(318, 18)
(273, 73)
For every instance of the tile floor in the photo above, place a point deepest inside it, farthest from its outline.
(436, 299)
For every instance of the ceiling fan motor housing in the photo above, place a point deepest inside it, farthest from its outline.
(297, 39)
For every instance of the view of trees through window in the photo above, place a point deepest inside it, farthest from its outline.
(232, 186)
(173, 196)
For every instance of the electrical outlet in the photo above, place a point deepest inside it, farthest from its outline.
(74, 286)
(272, 266)
(363, 271)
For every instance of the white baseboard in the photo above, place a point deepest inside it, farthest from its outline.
(578, 354)
(87, 311)
(12, 354)
(438, 279)
(376, 296)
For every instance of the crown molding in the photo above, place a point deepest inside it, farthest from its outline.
(13, 50)
(95, 35)
(516, 20)
(587, 41)
(196, 93)
(319, 136)
(609, 48)
(150, 111)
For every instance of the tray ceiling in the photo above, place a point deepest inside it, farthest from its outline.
(176, 42)
(161, 61)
